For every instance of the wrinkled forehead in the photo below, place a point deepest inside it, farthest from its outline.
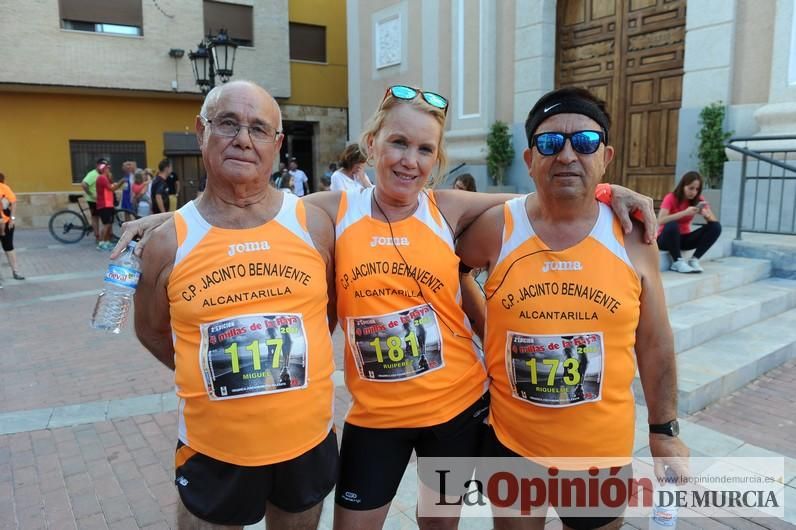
(567, 122)
(249, 102)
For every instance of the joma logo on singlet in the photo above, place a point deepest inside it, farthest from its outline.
(562, 266)
(249, 246)
(386, 241)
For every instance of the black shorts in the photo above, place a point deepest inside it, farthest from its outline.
(373, 461)
(7, 239)
(106, 215)
(228, 494)
(492, 447)
(92, 206)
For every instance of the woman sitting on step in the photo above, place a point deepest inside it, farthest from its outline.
(675, 235)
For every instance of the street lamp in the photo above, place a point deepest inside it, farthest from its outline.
(215, 56)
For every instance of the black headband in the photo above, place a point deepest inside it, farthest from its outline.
(568, 104)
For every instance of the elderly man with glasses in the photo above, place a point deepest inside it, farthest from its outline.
(234, 297)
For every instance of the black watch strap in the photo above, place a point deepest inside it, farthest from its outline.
(670, 428)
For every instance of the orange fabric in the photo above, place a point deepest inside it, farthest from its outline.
(593, 300)
(603, 193)
(183, 454)
(373, 280)
(208, 284)
(8, 194)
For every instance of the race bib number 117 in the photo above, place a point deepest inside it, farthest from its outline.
(250, 355)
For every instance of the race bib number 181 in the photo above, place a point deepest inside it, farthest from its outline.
(396, 346)
(250, 355)
(555, 370)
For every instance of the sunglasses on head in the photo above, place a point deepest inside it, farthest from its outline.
(583, 142)
(408, 93)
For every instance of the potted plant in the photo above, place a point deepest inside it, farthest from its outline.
(712, 138)
(500, 151)
(710, 152)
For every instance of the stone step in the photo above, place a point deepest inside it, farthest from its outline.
(724, 364)
(698, 321)
(720, 275)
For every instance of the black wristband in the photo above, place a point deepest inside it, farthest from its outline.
(464, 269)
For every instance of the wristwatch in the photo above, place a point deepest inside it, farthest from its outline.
(670, 428)
(13, 218)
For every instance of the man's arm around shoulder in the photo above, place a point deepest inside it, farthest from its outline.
(321, 230)
(152, 319)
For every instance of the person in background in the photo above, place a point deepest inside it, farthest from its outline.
(351, 175)
(106, 189)
(329, 172)
(129, 169)
(142, 202)
(89, 185)
(160, 188)
(674, 218)
(300, 179)
(173, 187)
(286, 182)
(465, 182)
(276, 176)
(8, 217)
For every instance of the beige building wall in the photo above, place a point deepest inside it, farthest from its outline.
(753, 51)
(77, 58)
(458, 48)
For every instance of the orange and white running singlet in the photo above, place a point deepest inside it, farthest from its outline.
(252, 348)
(560, 336)
(409, 356)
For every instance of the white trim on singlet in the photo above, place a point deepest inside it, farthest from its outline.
(197, 227)
(182, 429)
(359, 205)
(287, 217)
(521, 230)
(602, 231)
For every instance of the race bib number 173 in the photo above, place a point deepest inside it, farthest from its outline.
(250, 355)
(555, 370)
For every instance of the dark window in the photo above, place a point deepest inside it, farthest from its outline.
(120, 16)
(235, 19)
(85, 153)
(307, 43)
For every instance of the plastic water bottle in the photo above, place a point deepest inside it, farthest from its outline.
(664, 514)
(113, 303)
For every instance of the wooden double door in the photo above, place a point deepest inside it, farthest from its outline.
(629, 53)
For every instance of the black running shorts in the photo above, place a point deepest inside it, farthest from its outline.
(373, 461)
(228, 494)
(493, 447)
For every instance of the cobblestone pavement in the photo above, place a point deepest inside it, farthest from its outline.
(87, 421)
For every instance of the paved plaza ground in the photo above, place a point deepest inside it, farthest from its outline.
(88, 428)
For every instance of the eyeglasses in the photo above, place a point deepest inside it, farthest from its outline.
(583, 142)
(408, 93)
(261, 134)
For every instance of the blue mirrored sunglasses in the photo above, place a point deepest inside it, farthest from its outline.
(583, 142)
(408, 93)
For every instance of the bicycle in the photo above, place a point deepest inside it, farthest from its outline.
(68, 226)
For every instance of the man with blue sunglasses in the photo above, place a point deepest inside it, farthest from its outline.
(573, 305)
